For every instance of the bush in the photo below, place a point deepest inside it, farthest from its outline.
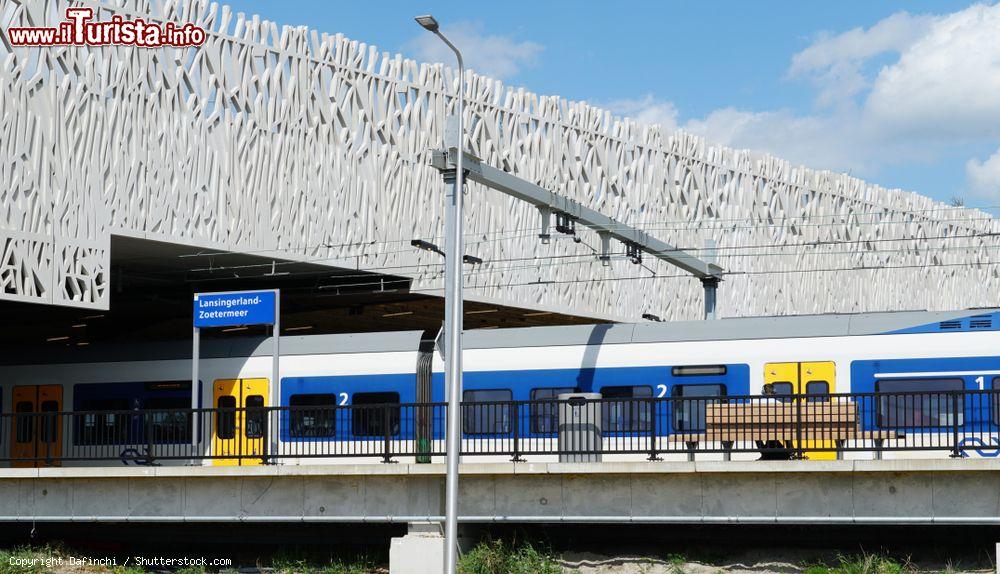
(863, 564)
(498, 557)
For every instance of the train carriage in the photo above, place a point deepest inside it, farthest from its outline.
(932, 378)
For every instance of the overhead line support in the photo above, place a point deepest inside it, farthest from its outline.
(568, 210)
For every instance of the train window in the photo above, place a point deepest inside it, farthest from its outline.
(922, 402)
(170, 421)
(698, 370)
(626, 415)
(996, 400)
(545, 416)
(369, 418)
(313, 415)
(225, 417)
(689, 411)
(103, 423)
(256, 417)
(486, 411)
(50, 421)
(818, 391)
(25, 423)
(783, 390)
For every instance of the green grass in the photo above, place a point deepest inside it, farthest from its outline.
(675, 559)
(498, 557)
(296, 562)
(861, 564)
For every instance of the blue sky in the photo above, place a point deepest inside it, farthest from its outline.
(904, 94)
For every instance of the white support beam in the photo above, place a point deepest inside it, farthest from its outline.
(605, 226)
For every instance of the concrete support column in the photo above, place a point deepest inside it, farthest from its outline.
(421, 551)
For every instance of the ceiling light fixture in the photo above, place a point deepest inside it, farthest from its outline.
(399, 314)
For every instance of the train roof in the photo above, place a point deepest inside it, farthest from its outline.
(831, 325)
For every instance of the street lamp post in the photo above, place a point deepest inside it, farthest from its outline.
(453, 317)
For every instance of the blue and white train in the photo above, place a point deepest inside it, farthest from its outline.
(880, 352)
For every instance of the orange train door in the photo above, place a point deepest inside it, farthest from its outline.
(816, 379)
(239, 434)
(36, 429)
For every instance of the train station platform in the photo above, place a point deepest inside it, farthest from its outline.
(940, 491)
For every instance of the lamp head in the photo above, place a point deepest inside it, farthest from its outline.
(428, 22)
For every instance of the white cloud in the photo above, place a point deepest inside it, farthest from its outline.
(778, 132)
(646, 110)
(834, 63)
(984, 176)
(938, 88)
(500, 57)
(946, 85)
(835, 142)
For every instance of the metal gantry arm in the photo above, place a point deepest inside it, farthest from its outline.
(549, 203)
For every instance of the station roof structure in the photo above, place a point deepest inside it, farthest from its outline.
(201, 169)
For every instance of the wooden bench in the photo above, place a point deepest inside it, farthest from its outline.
(821, 422)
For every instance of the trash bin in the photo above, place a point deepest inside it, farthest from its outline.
(579, 427)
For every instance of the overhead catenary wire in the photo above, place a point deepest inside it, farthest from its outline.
(719, 251)
(539, 262)
(815, 248)
(542, 283)
(490, 266)
(648, 226)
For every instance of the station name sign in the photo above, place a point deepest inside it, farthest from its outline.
(234, 309)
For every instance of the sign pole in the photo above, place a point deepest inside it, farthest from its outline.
(275, 381)
(196, 427)
(238, 308)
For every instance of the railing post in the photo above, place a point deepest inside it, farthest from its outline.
(956, 452)
(516, 428)
(148, 426)
(653, 450)
(265, 436)
(799, 451)
(387, 446)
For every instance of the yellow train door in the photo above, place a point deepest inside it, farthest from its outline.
(239, 433)
(36, 431)
(817, 379)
